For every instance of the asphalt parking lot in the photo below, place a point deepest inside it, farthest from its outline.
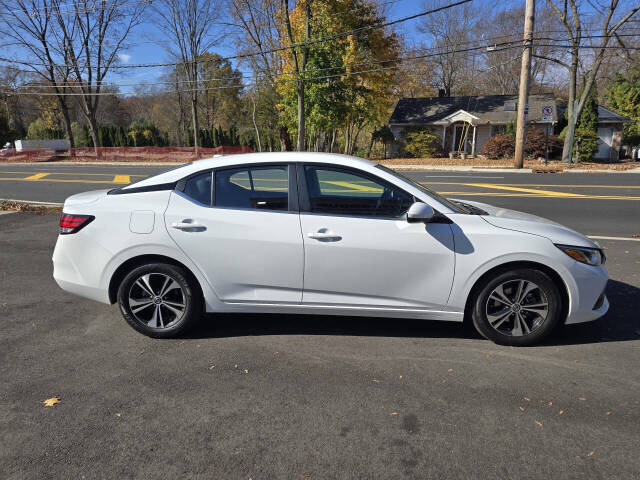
(290, 397)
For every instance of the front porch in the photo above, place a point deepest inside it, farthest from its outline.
(459, 133)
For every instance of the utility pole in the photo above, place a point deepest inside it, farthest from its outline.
(525, 73)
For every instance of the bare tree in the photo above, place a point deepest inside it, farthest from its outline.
(450, 31)
(572, 19)
(299, 65)
(502, 65)
(93, 32)
(192, 27)
(260, 33)
(31, 26)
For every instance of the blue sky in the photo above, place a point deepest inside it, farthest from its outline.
(144, 50)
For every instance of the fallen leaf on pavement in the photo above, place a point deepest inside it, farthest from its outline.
(550, 403)
(582, 399)
(560, 412)
(450, 370)
(527, 399)
(235, 366)
(393, 414)
(538, 423)
(212, 367)
(609, 413)
(521, 409)
(591, 453)
(305, 475)
(489, 355)
(400, 377)
(246, 370)
(376, 380)
(118, 414)
(50, 402)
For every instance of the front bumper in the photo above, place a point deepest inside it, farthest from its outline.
(588, 301)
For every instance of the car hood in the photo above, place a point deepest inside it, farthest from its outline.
(85, 197)
(532, 224)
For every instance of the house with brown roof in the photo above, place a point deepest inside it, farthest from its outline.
(465, 123)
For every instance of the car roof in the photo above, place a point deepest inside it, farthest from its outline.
(177, 173)
(249, 158)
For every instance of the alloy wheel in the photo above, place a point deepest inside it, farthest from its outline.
(157, 300)
(517, 307)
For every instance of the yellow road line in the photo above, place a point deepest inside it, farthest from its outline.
(548, 193)
(56, 180)
(75, 173)
(536, 185)
(37, 176)
(353, 186)
(122, 179)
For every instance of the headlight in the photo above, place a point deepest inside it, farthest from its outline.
(590, 256)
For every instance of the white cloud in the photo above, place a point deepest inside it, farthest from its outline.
(124, 57)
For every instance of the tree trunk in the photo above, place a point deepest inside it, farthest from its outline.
(301, 119)
(571, 125)
(370, 146)
(285, 139)
(93, 130)
(255, 125)
(67, 124)
(196, 124)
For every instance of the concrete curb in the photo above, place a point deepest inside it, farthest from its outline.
(458, 168)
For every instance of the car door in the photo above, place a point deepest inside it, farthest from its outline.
(360, 249)
(241, 227)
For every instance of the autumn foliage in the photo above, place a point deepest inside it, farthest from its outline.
(503, 145)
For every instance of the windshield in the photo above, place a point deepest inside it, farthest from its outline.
(456, 207)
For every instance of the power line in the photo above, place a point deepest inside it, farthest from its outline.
(314, 71)
(324, 77)
(336, 36)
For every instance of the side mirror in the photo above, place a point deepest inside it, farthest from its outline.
(420, 212)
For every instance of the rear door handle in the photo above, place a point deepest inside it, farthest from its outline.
(189, 225)
(324, 235)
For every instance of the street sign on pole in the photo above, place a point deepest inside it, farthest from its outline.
(547, 114)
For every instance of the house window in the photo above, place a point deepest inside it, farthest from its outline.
(498, 129)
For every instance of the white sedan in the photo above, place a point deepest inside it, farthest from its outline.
(321, 234)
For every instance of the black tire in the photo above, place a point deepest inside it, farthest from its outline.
(508, 283)
(167, 323)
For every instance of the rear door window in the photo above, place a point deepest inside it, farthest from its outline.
(260, 188)
(199, 188)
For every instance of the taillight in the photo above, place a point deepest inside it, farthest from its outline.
(73, 223)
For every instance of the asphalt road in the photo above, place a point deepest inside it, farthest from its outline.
(291, 397)
(594, 204)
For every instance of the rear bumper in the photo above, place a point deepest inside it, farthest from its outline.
(76, 268)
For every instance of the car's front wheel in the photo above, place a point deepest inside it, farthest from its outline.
(159, 300)
(518, 307)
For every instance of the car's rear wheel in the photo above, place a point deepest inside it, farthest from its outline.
(518, 307)
(159, 300)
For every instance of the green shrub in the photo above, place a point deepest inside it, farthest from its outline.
(588, 143)
(422, 144)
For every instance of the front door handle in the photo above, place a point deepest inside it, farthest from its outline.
(324, 235)
(188, 225)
